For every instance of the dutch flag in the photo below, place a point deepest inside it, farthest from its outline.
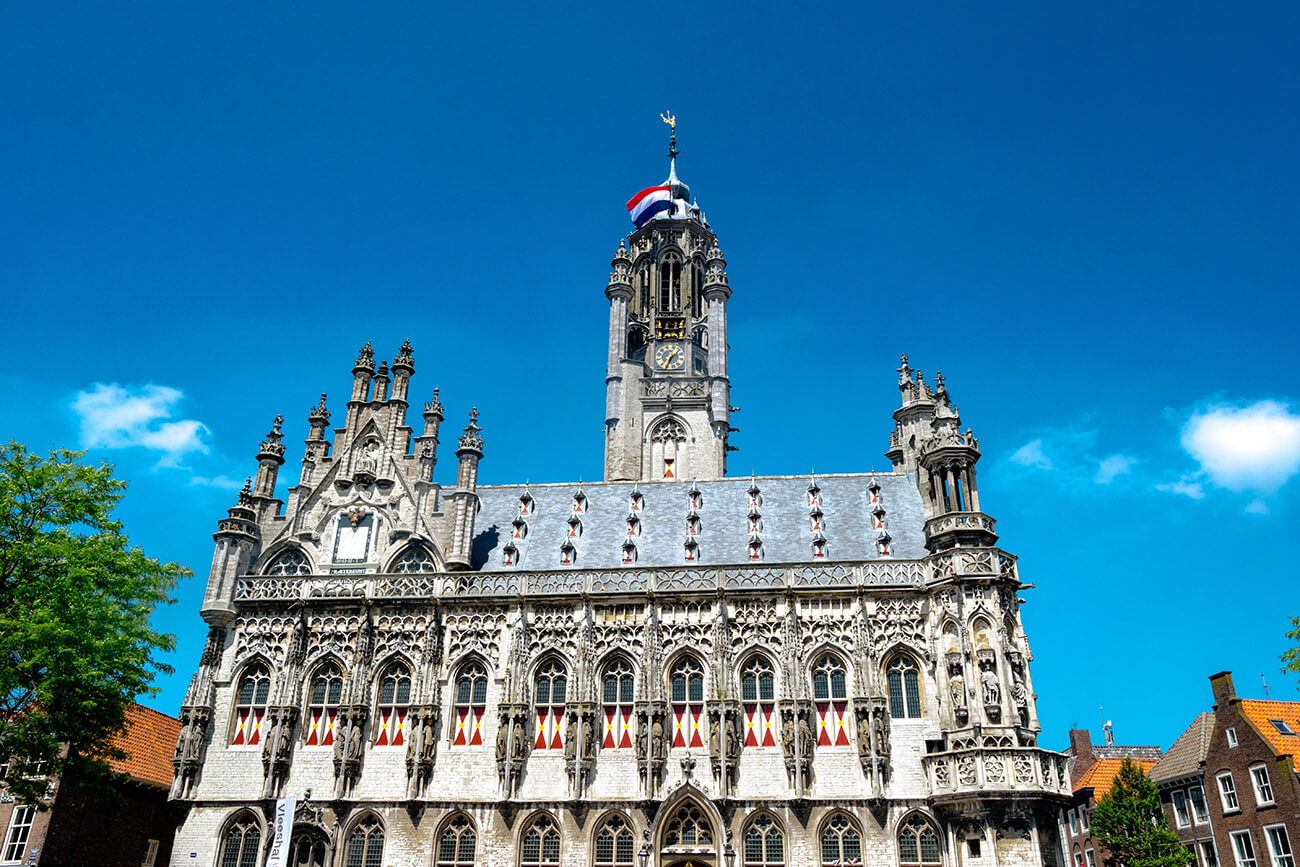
(648, 202)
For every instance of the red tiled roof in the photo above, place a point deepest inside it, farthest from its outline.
(150, 742)
(1259, 714)
(1101, 776)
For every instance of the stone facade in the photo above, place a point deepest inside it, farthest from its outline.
(669, 667)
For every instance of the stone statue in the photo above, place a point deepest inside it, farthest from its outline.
(733, 742)
(428, 741)
(588, 738)
(658, 743)
(957, 684)
(787, 739)
(353, 749)
(806, 742)
(864, 734)
(503, 735)
(992, 691)
(570, 740)
(517, 743)
(882, 735)
(642, 735)
(715, 739)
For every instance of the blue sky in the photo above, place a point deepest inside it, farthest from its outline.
(1086, 218)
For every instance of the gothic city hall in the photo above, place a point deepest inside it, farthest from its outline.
(671, 667)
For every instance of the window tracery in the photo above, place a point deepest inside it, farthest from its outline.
(366, 844)
(617, 689)
(241, 844)
(615, 843)
(323, 705)
(250, 705)
(686, 690)
(688, 827)
(764, 844)
(541, 844)
(291, 562)
(904, 688)
(918, 844)
(549, 690)
(471, 703)
(394, 700)
(841, 843)
(417, 559)
(456, 843)
(758, 698)
(830, 697)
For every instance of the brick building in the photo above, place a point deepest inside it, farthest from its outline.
(1092, 773)
(81, 829)
(669, 667)
(1180, 777)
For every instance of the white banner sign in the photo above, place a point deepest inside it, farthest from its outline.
(283, 836)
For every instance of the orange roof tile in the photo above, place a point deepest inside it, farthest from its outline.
(1101, 776)
(150, 742)
(1260, 714)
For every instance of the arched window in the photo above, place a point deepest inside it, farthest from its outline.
(415, 560)
(394, 699)
(697, 289)
(291, 562)
(764, 844)
(240, 845)
(618, 684)
(670, 283)
(615, 843)
(918, 844)
(686, 688)
(841, 843)
(366, 844)
(250, 705)
(830, 695)
(309, 849)
(323, 705)
(688, 827)
(904, 688)
(549, 693)
(456, 843)
(471, 702)
(541, 844)
(758, 694)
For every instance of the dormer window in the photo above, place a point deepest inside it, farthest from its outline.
(575, 527)
(878, 518)
(579, 502)
(638, 501)
(883, 546)
(526, 504)
(568, 554)
(510, 555)
(756, 550)
(518, 528)
(873, 491)
(693, 525)
(814, 495)
(633, 525)
(755, 497)
(695, 498)
(819, 549)
(629, 552)
(817, 520)
(755, 523)
(692, 550)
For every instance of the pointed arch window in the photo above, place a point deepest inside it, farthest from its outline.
(615, 843)
(830, 696)
(394, 701)
(366, 844)
(240, 846)
(904, 688)
(758, 696)
(323, 705)
(918, 844)
(670, 283)
(456, 843)
(471, 702)
(549, 696)
(697, 291)
(686, 688)
(308, 849)
(416, 559)
(841, 843)
(541, 844)
(617, 689)
(764, 844)
(250, 705)
(688, 827)
(291, 562)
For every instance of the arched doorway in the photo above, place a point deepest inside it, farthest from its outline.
(310, 848)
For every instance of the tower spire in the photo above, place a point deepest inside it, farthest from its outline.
(671, 119)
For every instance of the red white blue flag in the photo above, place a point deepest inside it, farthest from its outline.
(648, 202)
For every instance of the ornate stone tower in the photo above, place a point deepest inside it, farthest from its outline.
(667, 412)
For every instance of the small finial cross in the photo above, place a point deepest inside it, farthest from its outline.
(473, 416)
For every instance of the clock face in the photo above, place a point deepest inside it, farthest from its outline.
(669, 357)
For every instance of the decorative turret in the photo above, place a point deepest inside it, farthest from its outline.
(381, 383)
(318, 418)
(362, 371)
(426, 445)
(463, 502)
(403, 368)
(269, 459)
(237, 539)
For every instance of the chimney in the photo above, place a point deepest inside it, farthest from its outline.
(1221, 686)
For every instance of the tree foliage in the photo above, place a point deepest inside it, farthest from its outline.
(1132, 828)
(76, 645)
(1291, 657)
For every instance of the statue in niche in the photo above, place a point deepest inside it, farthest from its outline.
(957, 685)
(370, 456)
(882, 736)
(715, 739)
(428, 743)
(992, 689)
(352, 751)
(658, 743)
(517, 743)
(642, 735)
(570, 740)
(1020, 695)
(588, 738)
(806, 742)
(864, 734)
(503, 735)
(733, 743)
(787, 738)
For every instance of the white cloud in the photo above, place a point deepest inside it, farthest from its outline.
(1255, 447)
(117, 417)
(1187, 486)
(223, 481)
(1257, 507)
(1110, 467)
(1031, 455)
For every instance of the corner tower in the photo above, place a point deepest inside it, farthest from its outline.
(667, 394)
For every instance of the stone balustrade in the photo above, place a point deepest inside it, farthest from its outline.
(970, 771)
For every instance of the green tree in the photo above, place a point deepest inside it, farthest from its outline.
(1292, 656)
(76, 645)
(1131, 827)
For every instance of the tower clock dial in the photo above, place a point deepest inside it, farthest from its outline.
(669, 356)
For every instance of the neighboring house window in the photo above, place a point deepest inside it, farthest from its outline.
(456, 845)
(394, 700)
(618, 687)
(841, 843)
(1181, 817)
(1243, 850)
(1209, 855)
(250, 706)
(541, 844)
(1092, 857)
(615, 844)
(150, 854)
(1263, 788)
(1231, 734)
(904, 688)
(240, 846)
(1200, 810)
(918, 844)
(686, 690)
(1074, 822)
(1083, 820)
(1279, 846)
(20, 828)
(549, 692)
(471, 702)
(323, 708)
(366, 844)
(1078, 858)
(763, 844)
(1228, 793)
(689, 828)
(758, 695)
(830, 695)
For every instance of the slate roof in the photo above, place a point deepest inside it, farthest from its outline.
(150, 742)
(1259, 713)
(787, 535)
(1101, 776)
(1186, 756)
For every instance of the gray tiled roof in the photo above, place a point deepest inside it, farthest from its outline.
(787, 534)
(1188, 752)
(1114, 751)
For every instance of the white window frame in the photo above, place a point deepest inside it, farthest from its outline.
(1228, 793)
(1202, 816)
(1263, 787)
(150, 854)
(1073, 818)
(1279, 859)
(1231, 734)
(1091, 855)
(1243, 859)
(1182, 813)
(1207, 848)
(1083, 820)
(20, 822)
(1078, 859)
